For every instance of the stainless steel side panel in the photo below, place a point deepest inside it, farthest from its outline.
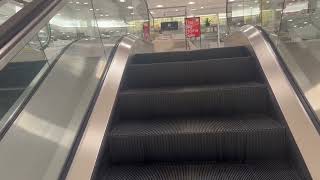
(88, 150)
(305, 134)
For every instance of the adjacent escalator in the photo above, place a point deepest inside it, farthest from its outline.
(15, 77)
(206, 114)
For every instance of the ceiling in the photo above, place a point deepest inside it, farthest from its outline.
(192, 7)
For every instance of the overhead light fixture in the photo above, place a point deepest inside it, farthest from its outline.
(240, 5)
(191, 2)
(159, 6)
(106, 15)
(85, 3)
(70, 2)
(231, 0)
(91, 9)
(77, 2)
(193, 9)
(122, 0)
(151, 12)
(305, 22)
(201, 7)
(267, 2)
(130, 7)
(177, 10)
(132, 13)
(290, 20)
(97, 9)
(101, 14)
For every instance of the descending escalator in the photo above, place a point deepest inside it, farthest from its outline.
(15, 77)
(205, 114)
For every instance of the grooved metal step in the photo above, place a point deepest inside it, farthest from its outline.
(205, 100)
(274, 170)
(187, 73)
(229, 52)
(198, 138)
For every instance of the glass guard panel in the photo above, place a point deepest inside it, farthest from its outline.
(19, 77)
(298, 42)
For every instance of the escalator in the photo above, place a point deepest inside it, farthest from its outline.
(107, 108)
(14, 79)
(205, 114)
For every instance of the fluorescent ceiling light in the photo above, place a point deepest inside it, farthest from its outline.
(77, 2)
(191, 2)
(132, 13)
(122, 0)
(290, 20)
(202, 7)
(130, 7)
(177, 10)
(159, 6)
(231, 0)
(85, 3)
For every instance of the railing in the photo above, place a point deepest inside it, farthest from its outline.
(52, 109)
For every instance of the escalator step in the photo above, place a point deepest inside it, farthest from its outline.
(186, 73)
(204, 100)
(217, 53)
(273, 170)
(250, 137)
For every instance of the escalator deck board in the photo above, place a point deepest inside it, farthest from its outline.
(203, 171)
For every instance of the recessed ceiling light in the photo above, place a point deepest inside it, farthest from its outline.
(91, 9)
(193, 9)
(290, 20)
(77, 2)
(101, 14)
(231, 0)
(97, 9)
(159, 6)
(130, 7)
(177, 10)
(122, 0)
(305, 22)
(85, 3)
(132, 13)
(191, 2)
(106, 15)
(202, 7)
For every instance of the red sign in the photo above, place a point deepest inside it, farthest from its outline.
(193, 28)
(146, 31)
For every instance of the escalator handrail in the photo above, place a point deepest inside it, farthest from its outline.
(19, 29)
(303, 130)
(87, 152)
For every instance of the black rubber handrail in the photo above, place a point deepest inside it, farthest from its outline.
(21, 19)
